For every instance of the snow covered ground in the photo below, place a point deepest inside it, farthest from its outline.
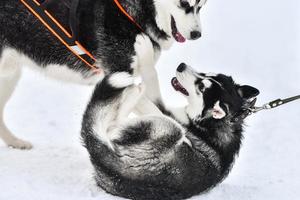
(257, 42)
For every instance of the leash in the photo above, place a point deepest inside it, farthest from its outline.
(39, 10)
(250, 107)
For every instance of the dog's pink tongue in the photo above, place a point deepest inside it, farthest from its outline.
(179, 38)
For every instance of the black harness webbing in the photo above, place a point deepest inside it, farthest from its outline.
(39, 10)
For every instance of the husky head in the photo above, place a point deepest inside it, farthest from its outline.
(180, 19)
(214, 96)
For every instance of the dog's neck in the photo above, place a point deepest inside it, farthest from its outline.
(222, 135)
(144, 13)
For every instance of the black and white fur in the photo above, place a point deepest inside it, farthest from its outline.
(113, 39)
(164, 153)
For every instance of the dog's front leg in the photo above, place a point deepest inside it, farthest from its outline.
(147, 57)
(152, 103)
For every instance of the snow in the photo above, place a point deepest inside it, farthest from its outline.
(257, 42)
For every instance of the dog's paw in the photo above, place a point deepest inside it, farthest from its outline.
(19, 144)
(145, 51)
(121, 80)
(143, 41)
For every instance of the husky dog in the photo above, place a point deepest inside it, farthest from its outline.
(103, 29)
(167, 153)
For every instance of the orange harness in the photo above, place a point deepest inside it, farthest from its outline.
(67, 39)
(127, 14)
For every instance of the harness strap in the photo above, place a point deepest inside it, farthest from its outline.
(46, 3)
(67, 39)
(73, 18)
(123, 10)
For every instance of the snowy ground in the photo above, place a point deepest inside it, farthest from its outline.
(257, 42)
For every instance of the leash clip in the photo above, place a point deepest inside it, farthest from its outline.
(250, 107)
(256, 109)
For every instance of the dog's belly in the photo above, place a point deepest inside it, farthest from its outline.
(63, 73)
(55, 71)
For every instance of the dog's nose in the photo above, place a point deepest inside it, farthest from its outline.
(181, 67)
(195, 35)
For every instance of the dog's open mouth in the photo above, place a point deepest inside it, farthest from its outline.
(178, 87)
(176, 34)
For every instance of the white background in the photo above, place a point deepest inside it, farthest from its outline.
(257, 42)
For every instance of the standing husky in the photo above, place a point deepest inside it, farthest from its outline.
(103, 30)
(172, 154)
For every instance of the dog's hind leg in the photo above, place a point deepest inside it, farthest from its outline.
(113, 100)
(10, 72)
(146, 107)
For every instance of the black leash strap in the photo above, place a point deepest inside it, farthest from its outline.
(280, 102)
(250, 107)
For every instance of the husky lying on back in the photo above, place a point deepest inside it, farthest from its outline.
(169, 154)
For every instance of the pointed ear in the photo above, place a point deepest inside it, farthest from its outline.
(217, 111)
(247, 92)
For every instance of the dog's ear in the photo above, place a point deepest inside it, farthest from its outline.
(217, 111)
(247, 92)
